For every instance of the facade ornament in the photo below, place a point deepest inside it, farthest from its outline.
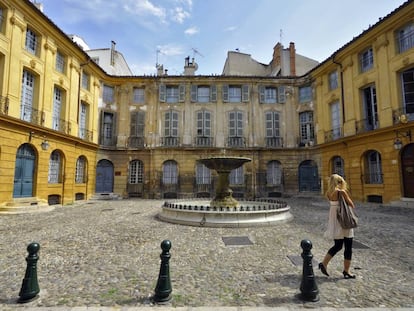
(16, 21)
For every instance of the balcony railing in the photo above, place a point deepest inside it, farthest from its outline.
(236, 142)
(4, 105)
(136, 142)
(61, 126)
(333, 134)
(274, 142)
(32, 115)
(202, 141)
(108, 141)
(86, 134)
(170, 141)
(366, 125)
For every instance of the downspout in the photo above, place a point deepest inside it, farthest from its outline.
(342, 89)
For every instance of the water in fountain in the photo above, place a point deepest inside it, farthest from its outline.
(224, 210)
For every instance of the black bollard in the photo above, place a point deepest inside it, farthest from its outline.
(163, 289)
(30, 286)
(308, 287)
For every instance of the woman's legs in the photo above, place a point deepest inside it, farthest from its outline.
(329, 255)
(347, 254)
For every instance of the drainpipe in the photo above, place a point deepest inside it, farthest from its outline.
(342, 89)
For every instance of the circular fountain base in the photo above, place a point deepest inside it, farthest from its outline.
(200, 213)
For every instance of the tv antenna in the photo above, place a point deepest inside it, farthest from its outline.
(195, 51)
(157, 55)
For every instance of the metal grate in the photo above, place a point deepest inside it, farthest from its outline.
(237, 241)
(359, 245)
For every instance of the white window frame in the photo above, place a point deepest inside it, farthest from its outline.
(108, 94)
(54, 176)
(60, 62)
(32, 41)
(138, 95)
(80, 172)
(136, 172)
(274, 173)
(27, 96)
(366, 59)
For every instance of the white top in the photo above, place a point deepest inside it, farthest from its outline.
(334, 230)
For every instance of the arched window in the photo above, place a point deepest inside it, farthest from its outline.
(338, 166)
(236, 177)
(373, 168)
(80, 173)
(273, 173)
(55, 168)
(170, 172)
(203, 174)
(136, 172)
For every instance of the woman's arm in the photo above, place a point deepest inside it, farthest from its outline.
(347, 198)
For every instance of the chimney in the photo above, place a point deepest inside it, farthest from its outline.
(160, 70)
(190, 68)
(292, 52)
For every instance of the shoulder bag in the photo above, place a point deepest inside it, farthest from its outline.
(345, 214)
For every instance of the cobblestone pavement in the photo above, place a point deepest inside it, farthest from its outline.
(107, 253)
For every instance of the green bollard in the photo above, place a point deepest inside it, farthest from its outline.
(163, 289)
(308, 286)
(30, 286)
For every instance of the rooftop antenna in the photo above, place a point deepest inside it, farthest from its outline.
(156, 59)
(281, 37)
(195, 51)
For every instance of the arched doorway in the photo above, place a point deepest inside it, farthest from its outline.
(309, 176)
(104, 177)
(407, 167)
(24, 172)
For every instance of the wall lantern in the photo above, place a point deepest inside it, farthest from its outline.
(44, 145)
(398, 144)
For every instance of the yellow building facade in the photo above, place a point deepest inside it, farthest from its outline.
(69, 131)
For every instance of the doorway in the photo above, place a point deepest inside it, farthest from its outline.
(24, 172)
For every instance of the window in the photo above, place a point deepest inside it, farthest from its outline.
(370, 108)
(55, 165)
(236, 138)
(139, 97)
(169, 173)
(203, 123)
(83, 117)
(236, 177)
(32, 41)
(305, 94)
(85, 80)
(373, 168)
(235, 93)
(306, 127)
(405, 38)
(338, 166)
(57, 108)
(172, 93)
(273, 138)
(108, 94)
(203, 174)
(107, 134)
(171, 124)
(274, 173)
(203, 93)
(407, 80)
(137, 127)
(271, 94)
(2, 18)
(336, 120)
(27, 96)
(80, 172)
(333, 80)
(366, 60)
(136, 172)
(60, 62)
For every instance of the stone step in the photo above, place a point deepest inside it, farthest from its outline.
(106, 196)
(25, 205)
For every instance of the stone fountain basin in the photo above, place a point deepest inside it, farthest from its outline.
(248, 214)
(222, 164)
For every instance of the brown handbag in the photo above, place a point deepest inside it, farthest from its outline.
(345, 214)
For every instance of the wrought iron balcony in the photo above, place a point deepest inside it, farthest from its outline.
(203, 141)
(236, 142)
(136, 142)
(86, 134)
(4, 105)
(32, 115)
(170, 141)
(61, 125)
(108, 141)
(274, 142)
(333, 134)
(365, 125)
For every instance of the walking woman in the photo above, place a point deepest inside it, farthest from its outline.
(341, 237)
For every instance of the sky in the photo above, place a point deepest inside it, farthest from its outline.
(167, 31)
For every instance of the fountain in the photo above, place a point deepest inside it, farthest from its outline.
(224, 210)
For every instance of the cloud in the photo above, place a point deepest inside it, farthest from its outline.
(178, 14)
(145, 7)
(191, 31)
(230, 28)
(170, 49)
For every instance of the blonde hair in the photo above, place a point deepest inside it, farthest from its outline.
(336, 182)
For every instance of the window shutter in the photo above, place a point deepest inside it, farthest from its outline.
(101, 131)
(167, 124)
(114, 136)
(261, 94)
(174, 127)
(232, 124)
(269, 124)
(140, 124)
(133, 124)
(162, 93)
(225, 93)
(207, 123)
(239, 124)
(194, 93)
(200, 123)
(282, 95)
(245, 93)
(213, 93)
(276, 127)
(181, 90)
